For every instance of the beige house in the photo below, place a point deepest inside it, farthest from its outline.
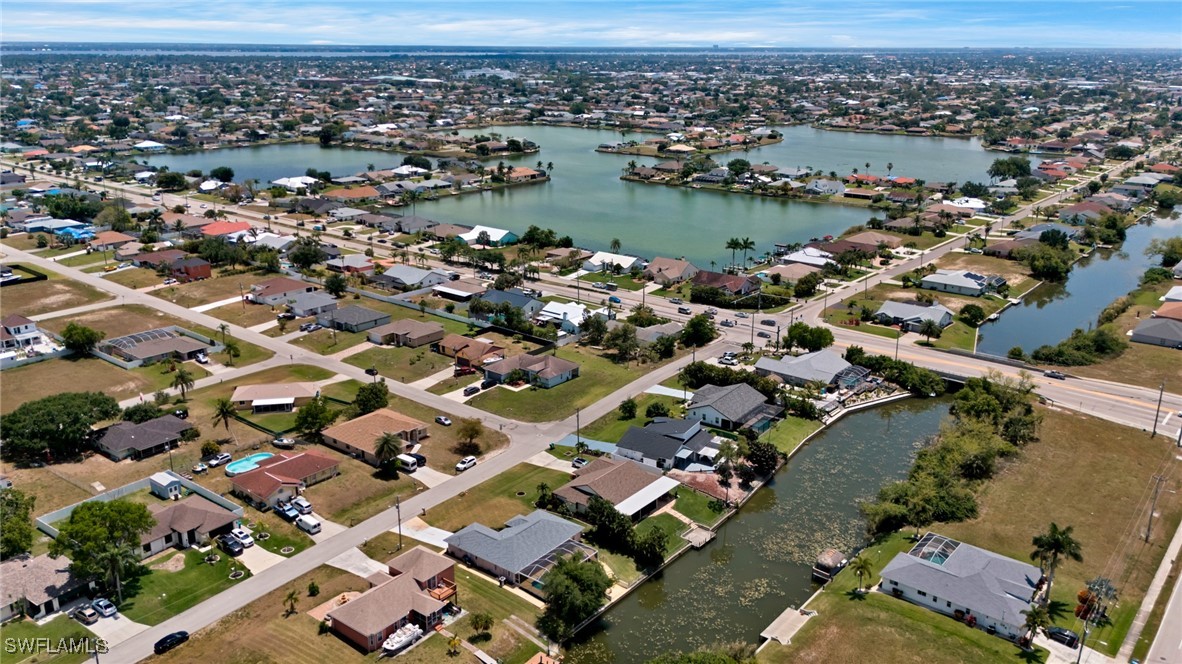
(274, 397)
(669, 270)
(407, 332)
(357, 437)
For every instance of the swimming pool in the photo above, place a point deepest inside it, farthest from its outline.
(246, 464)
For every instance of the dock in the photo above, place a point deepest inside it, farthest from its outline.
(699, 537)
(784, 627)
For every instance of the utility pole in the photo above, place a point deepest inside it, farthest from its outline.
(398, 507)
(578, 428)
(1153, 506)
(1161, 391)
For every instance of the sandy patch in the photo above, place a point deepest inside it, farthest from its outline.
(173, 564)
(321, 611)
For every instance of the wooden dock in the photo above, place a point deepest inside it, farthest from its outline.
(699, 537)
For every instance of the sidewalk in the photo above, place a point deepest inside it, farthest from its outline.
(1151, 595)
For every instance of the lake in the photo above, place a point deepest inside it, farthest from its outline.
(761, 561)
(587, 200)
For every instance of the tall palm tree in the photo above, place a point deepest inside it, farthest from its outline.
(182, 380)
(223, 413)
(291, 599)
(615, 245)
(746, 244)
(734, 244)
(862, 567)
(549, 167)
(1051, 548)
(223, 328)
(116, 558)
(1037, 617)
(930, 328)
(387, 447)
(232, 350)
(890, 167)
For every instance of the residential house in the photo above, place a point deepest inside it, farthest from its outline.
(468, 351)
(358, 436)
(822, 367)
(415, 589)
(277, 290)
(872, 240)
(497, 237)
(667, 271)
(810, 256)
(540, 370)
(987, 590)
(911, 316)
(1036, 231)
(569, 316)
(225, 228)
(353, 318)
(962, 282)
(191, 269)
(1084, 212)
(154, 259)
(273, 397)
(283, 477)
(526, 304)
(138, 441)
(731, 284)
(1158, 331)
(110, 240)
(1006, 248)
(407, 277)
(822, 187)
(732, 407)
(350, 264)
(37, 586)
(407, 332)
(633, 489)
(190, 521)
(789, 273)
(667, 443)
(1172, 295)
(311, 303)
(523, 174)
(602, 261)
(1114, 200)
(16, 331)
(1172, 310)
(523, 551)
(157, 346)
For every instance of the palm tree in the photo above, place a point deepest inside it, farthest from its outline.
(1037, 617)
(223, 412)
(746, 244)
(387, 447)
(232, 351)
(453, 645)
(890, 167)
(182, 380)
(549, 167)
(1050, 548)
(291, 599)
(734, 244)
(115, 558)
(862, 567)
(223, 328)
(985, 237)
(615, 245)
(748, 348)
(867, 167)
(631, 168)
(930, 328)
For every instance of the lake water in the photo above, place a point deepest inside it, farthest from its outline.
(1051, 311)
(587, 200)
(761, 561)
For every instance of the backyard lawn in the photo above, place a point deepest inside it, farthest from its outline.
(848, 626)
(788, 433)
(53, 294)
(248, 316)
(495, 501)
(205, 291)
(161, 594)
(668, 523)
(359, 492)
(611, 427)
(696, 506)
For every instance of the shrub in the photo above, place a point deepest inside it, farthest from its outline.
(210, 448)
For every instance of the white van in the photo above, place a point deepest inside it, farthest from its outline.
(308, 524)
(407, 463)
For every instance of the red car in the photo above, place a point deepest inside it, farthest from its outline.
(465, 371)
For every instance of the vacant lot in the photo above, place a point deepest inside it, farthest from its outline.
(495, 501)
(359, 492)
(1108, 510)
(248, 316)
(43, 379)
(401, 363)
(848, 626)
(221, 287)
(135, 277)
(53, 294)
(439, 448)
(1139, 364)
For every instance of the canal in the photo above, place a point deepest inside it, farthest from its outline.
(588, 201)
(1052, 310)
(760, 563)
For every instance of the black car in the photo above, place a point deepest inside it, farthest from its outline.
(230, 545)
(419, 459)
(770, 322)
(488, 384)
(287, 315)
(470, 390)
(171, 641)
(1064, 636)
(371, 371)
(181, 413)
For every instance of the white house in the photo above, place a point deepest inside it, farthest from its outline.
(961, 282)
(596, 262)
(568, 316)
(974, 204)
(496, 236)
(808, 256)
(912, 316)
(986, 590)
(296, 183)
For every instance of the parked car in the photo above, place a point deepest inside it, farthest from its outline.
(675, 300)
(471, 389)
(302, 505)
(200, 468)
(284, 443)
(104, 607)
(578, 462)
(465, 463)
(1064, 636)
(243, 537)
(445, 421)
(287, 512)
(171, 641)
(488, 384)
(169, 281)
(110, 268)
(230, 545)
(181, 413)
(464, 371)
(312, 327)
(308, 524)
(287, 315)
(729, 361)
(202, 358)
(419, 458)
(306, 326)
(1057, 375)
(86, 615)
(219, 459)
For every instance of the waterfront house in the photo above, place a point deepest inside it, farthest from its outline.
(911, 316)
(407, 332)
(668, 442)
(1006, 248)
(407, 277)
(732, 407)
(468, 351)
(731, 284)
(523, 551)
(822, 187)
(961, 282)
(602, 261)
(791, 272)
(540, 370)
(128, 440)
(821, 367)
(273, 397)
(1084, 212)
(358, 436)
(277, 290)
(986, 590)
(415, 589)
(353, 318)
(36, 586)
(810, 256)
(667, 271)
(1160, 331)
(497, 237)
(282, 477)
(633, 489)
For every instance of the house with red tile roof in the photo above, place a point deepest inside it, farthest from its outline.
(223, 228)
(283, 477)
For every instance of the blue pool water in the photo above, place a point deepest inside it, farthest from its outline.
(246, 464)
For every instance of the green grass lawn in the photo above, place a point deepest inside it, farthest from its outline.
(598, 377)
(956, 335)
(135, 277)
(623, 281)
(476, 594)
(326, 342)
(454, 383)
(668, 523)
(622, 568)
(277, 422)
(495, 501)
(612, 426)
(789, 432)
(160, 594)
(402, 363)
(62, 627)
(93, 258)
(696, 506)
(849, 625)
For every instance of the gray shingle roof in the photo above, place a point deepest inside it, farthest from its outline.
(356, 315)
(144, 436)
(821, 366)
(736, 403)
(524, 540)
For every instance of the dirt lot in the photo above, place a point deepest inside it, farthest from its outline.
(196, 293)
(55, 294)
(120, 321)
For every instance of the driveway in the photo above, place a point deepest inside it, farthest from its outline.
(327, 529)
(547, 460)
(418, 529)
(257, 559)
(356, 562)
(430, 477)
(202, 308)
(1061, 654)
(116, 629)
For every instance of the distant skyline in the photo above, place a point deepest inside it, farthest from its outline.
(606, 23)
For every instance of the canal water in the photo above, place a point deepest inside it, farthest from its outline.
(760, 563)
(587, 200)
(1052, 310)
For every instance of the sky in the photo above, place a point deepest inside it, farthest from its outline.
(605, 23)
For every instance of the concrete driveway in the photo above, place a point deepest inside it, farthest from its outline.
(547, 460)
(116, 629)
(327, 529)
(356, 562)
(430, 477)
(257, 559)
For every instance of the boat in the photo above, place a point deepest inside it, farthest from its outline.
(405, 636)
(828, 564)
